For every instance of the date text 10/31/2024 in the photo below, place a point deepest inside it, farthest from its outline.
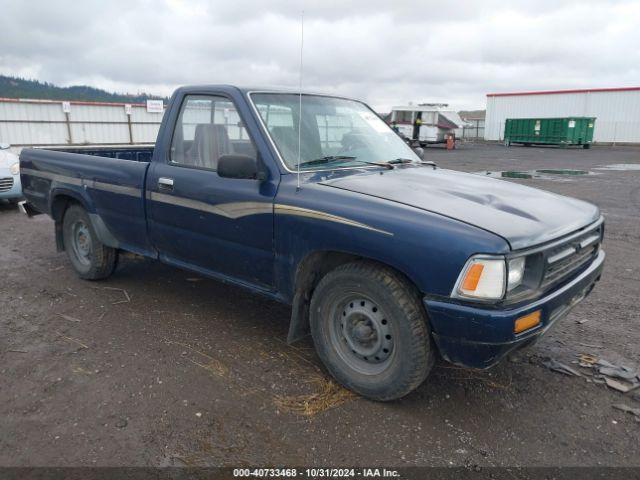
(316, 472)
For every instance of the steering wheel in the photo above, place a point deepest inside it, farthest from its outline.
(351, 141)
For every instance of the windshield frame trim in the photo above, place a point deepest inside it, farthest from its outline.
(265, 130)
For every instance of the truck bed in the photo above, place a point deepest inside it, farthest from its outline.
(140, 153)
(109, 186)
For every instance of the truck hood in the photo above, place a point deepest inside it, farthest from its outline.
(523, 216)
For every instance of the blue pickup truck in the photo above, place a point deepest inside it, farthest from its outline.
(312, 200)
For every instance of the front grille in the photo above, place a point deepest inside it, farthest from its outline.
(6, 183)
(562, 260)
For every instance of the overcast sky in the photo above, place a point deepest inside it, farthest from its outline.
(386, 52)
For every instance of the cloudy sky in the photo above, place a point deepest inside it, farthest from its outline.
(386, 52)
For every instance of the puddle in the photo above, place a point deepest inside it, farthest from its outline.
(549, 174)
(564, 172)
(621, 167)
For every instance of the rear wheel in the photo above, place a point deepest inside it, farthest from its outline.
(91, 259)
(371, 331)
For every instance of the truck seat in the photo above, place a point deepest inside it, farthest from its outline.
(244, 147)
(209, 144)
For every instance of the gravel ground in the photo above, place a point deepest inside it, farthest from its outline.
(157, 366)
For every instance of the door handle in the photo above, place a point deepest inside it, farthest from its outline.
(165, 183)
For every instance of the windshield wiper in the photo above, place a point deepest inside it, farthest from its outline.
(327, 159)
(398, 161)
(333, 158)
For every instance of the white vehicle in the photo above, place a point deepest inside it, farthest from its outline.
(426, 123)
(10, 188)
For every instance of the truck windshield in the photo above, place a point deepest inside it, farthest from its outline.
(334, 132)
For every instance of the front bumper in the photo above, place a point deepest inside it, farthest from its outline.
(15, 191)
(479, 337)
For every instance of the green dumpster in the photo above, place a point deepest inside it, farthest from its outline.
(550, 131)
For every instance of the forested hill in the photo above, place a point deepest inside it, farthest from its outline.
(13, 87)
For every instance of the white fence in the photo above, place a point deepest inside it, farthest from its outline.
(473, 131)
(46, 122)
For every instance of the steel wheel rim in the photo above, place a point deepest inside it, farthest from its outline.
(362, 336)
(81, 242)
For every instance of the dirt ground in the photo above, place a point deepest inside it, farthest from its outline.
(159, 367)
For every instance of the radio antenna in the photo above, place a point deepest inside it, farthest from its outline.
(300, 97)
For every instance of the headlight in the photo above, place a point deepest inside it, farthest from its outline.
(482, 278)
(490, 277)
(516, 272)
(15, 168)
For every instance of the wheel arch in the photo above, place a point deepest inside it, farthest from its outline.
(310, 270)
(60, 203)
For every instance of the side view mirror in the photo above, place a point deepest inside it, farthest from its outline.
(240, 167)
(419, 151)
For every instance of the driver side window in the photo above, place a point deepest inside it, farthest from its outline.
(208, 127)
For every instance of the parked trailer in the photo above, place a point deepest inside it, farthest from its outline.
(426, 123)
(550, 131)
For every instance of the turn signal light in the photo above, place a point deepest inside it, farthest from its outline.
(472, 277)
(528, 321)
(482, 278)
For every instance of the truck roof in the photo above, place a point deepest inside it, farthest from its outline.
(248, 89)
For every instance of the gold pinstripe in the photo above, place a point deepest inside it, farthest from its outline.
(232, 210)
(107, 187)
(306, 212)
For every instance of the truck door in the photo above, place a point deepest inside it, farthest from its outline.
(199, 220)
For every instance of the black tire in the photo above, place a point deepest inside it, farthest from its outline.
(386, 304)
(91, 259)
(586, 146)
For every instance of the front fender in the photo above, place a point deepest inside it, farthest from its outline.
(428, 248)
(334, 226)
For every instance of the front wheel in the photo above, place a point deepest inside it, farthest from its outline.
(91, 259)
(370, 331)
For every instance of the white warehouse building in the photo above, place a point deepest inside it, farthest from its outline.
(617, 111)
